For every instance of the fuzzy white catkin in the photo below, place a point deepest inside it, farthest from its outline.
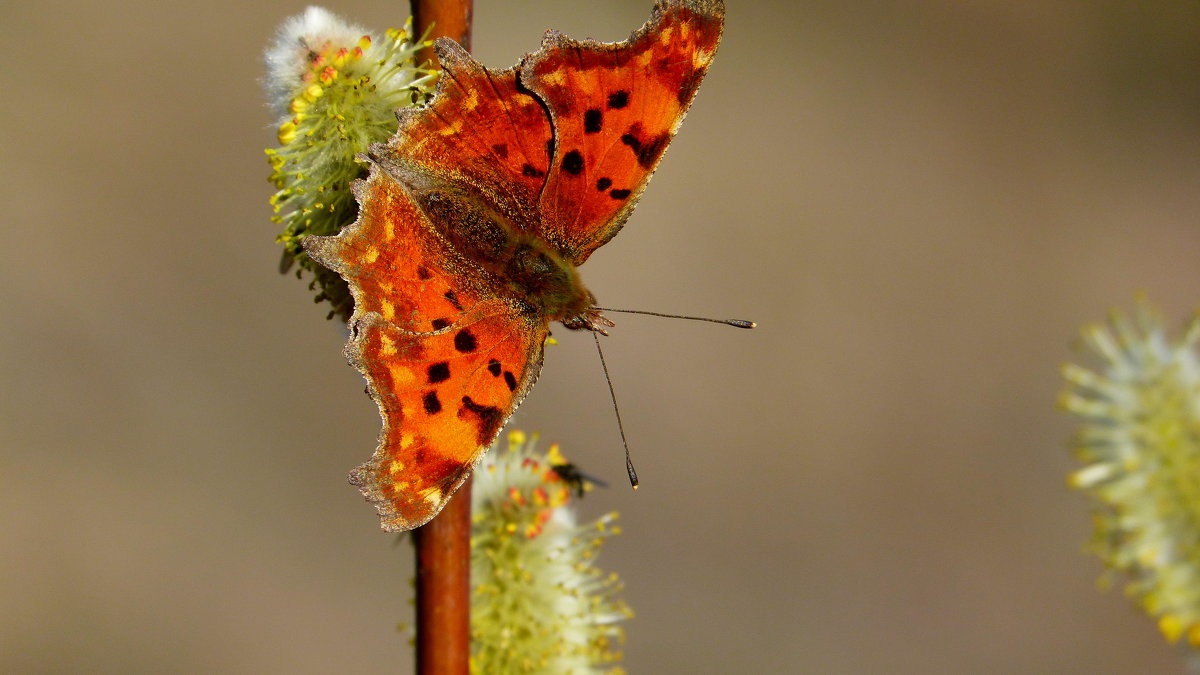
(287, 56)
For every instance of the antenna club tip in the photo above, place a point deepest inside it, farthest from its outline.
(634, 486)
(745, 324)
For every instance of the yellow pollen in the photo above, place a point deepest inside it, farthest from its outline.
(1171, 627)
(287, 133)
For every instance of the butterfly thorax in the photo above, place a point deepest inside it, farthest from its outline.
(543, 282)
(519, 266)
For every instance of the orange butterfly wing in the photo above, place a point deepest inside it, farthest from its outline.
(481, 134)
(614, 108)
(446, 362)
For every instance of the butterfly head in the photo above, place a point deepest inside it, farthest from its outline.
(589, 319)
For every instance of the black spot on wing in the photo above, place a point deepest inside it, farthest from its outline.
(510, 380)
(651, 151)
(453, 298)
(603, 184)
(619, 194)
(687, 88)
(431, 403)
(572, 163)
(531, 171)
(439, 324)
(647, 152)
(439, 372)
(618, 99)
(490, 418)
(464, 341)
(494, 368)
(423, 273)
(593, 121)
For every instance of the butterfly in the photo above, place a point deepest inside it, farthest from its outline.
(473, 220)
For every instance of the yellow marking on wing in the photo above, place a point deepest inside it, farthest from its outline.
(402, 376)
(471, 102)
(557, 77)
(387, 345)
(388, 309)
(396, 466)
(370, 255)
(665, 36)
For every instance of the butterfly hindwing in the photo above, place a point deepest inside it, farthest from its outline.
(446, 362)
(443, 400)
(614, 108)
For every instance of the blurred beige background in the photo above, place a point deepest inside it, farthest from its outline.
(920, 203)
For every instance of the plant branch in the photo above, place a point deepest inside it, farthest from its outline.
(442, 18)
(444, 544)
(443, 588)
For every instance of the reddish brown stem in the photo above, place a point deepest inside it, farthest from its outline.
(443, 18)
(444, 544)
(443, 588)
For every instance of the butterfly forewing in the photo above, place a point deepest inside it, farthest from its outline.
(480, 134)
(614, 109)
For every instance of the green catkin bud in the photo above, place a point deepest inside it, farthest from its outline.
(336, 89)
(1139, 443)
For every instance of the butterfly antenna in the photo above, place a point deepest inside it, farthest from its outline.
(633, 479)
(736, 323)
